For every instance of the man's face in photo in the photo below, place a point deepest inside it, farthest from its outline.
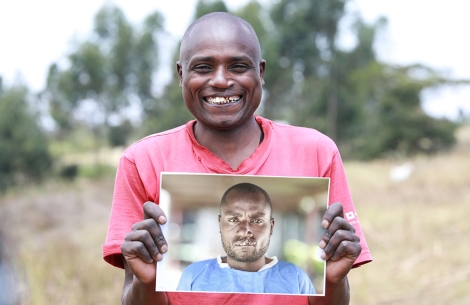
(246, 226)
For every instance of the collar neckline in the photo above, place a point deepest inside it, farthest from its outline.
(273, 262)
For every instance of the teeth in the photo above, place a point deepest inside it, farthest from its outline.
(245, 243)
(222, 100)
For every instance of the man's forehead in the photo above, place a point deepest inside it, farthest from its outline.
(260, 209)
(213, 31)
(236, 201)
(218, 25)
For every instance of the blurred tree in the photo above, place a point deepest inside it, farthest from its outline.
(119, 134)
(344, 93)
(395, 122)
(24, 154)
(310, 81)
(306, 34)
(112, 69)
(352, 95)
(204, 7)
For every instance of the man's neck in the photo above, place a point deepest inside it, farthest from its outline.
(233, 146)
(247, 266)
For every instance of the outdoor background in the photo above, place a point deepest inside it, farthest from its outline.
(79, 83)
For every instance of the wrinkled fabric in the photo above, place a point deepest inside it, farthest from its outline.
(282, 278)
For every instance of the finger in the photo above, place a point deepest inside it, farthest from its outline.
(348, 249)
(149, 248)
(333, 211)
(336, 242)
(153, 210)
(136, 249)
(152, 237)
(338, 223)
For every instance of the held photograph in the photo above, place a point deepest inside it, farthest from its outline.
(242, 234)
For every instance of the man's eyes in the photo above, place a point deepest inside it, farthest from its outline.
(202, 68)
(233, 219)
(237, 68)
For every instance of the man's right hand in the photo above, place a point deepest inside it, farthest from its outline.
(145, 245)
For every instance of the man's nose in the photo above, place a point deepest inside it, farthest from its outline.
(244, 229)
(221, 78)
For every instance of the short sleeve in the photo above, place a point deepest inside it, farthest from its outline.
(339, 192)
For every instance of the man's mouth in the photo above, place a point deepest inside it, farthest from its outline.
(218, 100)
(246, 242)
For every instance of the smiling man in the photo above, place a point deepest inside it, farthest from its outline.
(246, 225)
(221, 75)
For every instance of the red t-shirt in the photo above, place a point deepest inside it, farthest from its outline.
(285, 151)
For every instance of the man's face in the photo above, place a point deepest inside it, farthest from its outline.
(245, 227)
(221, 75)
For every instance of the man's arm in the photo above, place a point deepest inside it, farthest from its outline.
(142, 249)
(137, 292)
(341, 247)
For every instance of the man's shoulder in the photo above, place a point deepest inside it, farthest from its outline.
(160, 140)
(161, 136)
(300, 130)
(297, 135)
(283, 265)
(198, 266)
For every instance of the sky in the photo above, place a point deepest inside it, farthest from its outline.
(35, 34)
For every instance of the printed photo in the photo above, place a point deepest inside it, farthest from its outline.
(243, 234)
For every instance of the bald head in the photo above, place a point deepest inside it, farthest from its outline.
(245, 190)
(220, 23)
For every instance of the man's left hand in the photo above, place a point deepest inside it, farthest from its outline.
(340, 244)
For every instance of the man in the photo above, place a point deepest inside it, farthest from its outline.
(246, 225)
(221, 75)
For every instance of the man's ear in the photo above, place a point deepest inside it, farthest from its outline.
(179, 69)
(272, 225)
(262, 67)
(219, 223)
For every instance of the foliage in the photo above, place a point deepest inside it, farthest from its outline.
(119, 134)
(24, 154)
(348, 94)
(111, 70)
(168, 110)
(369, 108)
(204, 7)
(393, 120)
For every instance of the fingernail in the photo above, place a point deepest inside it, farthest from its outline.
(159, 257)
(164, 249)
(325, 224)
(322, 244)
(323, 255)
(162, 219)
